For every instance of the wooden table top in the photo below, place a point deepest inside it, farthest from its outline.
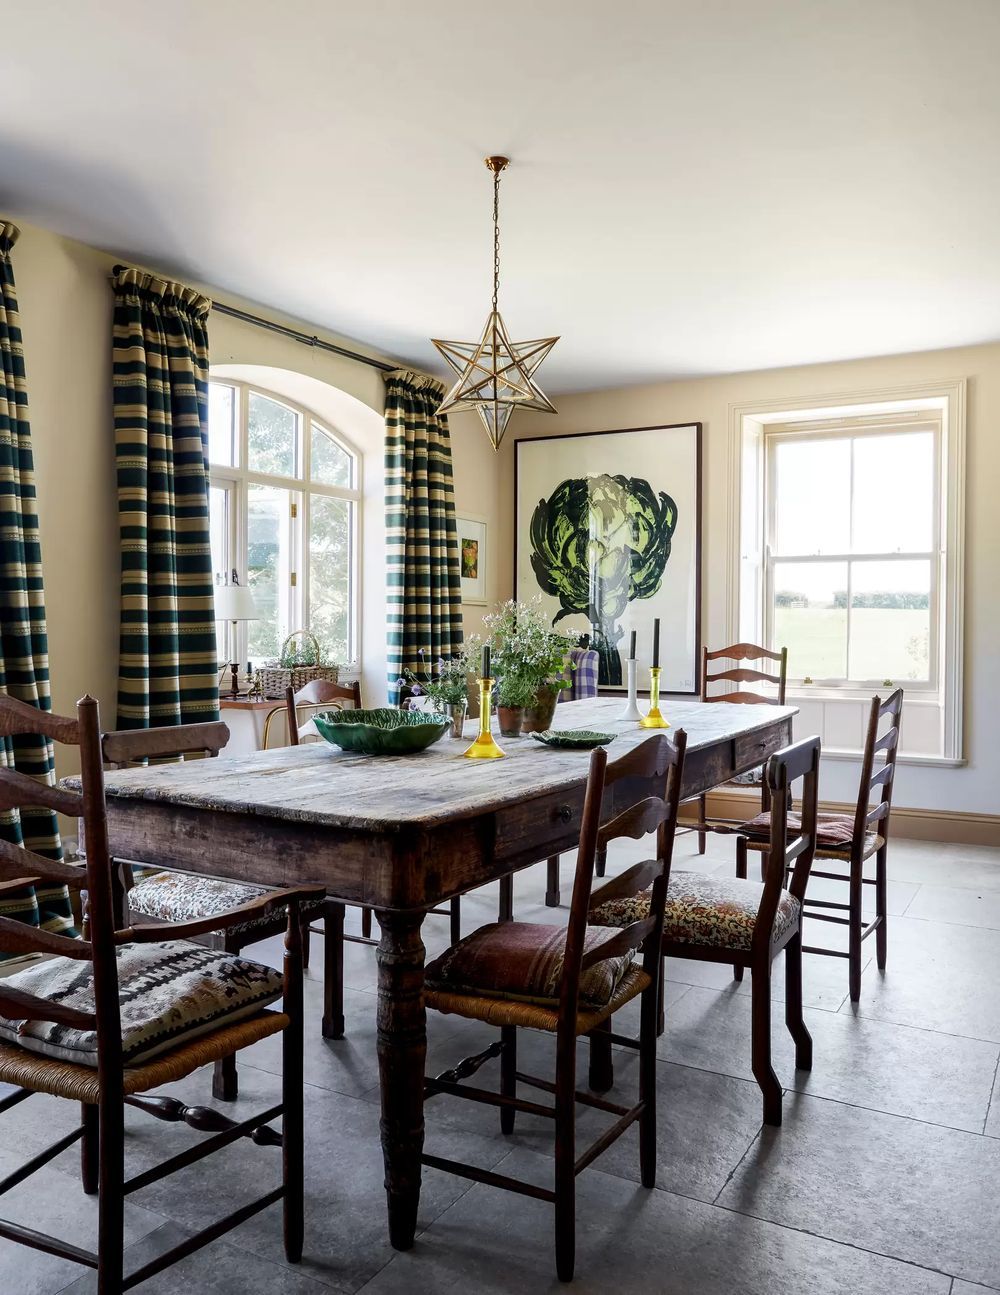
(321, 785)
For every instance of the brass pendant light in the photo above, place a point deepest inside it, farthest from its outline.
(495, 375)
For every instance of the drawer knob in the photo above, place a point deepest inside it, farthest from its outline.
(564, 813)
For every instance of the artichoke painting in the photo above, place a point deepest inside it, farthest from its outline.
(597, 544)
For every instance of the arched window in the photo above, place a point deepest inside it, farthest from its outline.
(285, 505)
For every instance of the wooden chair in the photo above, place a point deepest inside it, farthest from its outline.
(317, 695)
(92, 1025)
(747, 923)
(570, 982)
(853, 840)
(740, 674)
(160, 895)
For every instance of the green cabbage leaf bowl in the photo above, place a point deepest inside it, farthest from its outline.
(381, 732)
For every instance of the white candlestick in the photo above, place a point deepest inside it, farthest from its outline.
(631, 711)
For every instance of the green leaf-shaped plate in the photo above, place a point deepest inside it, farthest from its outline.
(381, 732)
(578, 739)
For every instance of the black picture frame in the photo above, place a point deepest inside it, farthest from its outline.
(519, 592)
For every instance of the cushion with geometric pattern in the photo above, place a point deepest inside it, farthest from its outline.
(168, 993)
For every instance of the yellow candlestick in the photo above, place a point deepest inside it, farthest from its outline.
(484, 747)
(653, 718)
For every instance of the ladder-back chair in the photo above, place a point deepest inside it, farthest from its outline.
(103, 1020)
(853, 839)
(739, 674)
(570, 981)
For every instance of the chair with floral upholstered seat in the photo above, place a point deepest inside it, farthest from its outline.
(103, 1020)
(853, 839)
(748, 923)
(569, 982)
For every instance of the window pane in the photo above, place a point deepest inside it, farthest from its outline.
(331, 524)
(331, 464)
(810, 618)
(890, 620)
(894, 493)
(221, 410)
(218, 512)
(271, 437)
(269, 565)
(812, 484)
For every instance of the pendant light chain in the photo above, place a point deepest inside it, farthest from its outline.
(496, 237)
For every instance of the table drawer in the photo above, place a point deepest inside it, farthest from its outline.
(751, 749)
(540, 825)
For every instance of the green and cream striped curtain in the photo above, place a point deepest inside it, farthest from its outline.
(424, 585)
(24, 661)
(168, 664)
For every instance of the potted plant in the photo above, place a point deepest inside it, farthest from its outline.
(529, 660)
(447, 688)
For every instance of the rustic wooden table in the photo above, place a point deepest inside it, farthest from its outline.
(400, 835)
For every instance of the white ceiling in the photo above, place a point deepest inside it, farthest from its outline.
(696, 187)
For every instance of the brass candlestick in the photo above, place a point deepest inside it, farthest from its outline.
(484, 747)
(653, 717)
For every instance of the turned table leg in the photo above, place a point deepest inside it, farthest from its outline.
(402, 1047)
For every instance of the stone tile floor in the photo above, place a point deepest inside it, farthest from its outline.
(883, 1180)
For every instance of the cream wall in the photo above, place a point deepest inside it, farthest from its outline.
(65, 304)
(973, 788)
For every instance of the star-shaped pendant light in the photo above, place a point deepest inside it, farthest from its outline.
(496, 375)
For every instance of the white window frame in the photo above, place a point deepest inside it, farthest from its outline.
(749, 596)
(236, 481)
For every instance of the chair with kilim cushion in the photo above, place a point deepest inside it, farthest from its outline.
(748, 923)
(569, 982)
(105, 1019)
(164, 895)
(853, 839)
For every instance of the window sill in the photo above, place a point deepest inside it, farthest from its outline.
(931, 761)
(818, 693)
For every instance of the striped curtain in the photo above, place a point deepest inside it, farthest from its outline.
(168, 664)
(424, 586)
(24, 661)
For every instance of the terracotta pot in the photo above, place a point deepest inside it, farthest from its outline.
(510, 719)
(539, 717)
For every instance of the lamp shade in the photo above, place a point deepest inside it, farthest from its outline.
(234, 603)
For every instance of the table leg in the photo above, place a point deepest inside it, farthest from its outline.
(402, 1048)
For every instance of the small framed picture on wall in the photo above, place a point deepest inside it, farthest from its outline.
(472, 558)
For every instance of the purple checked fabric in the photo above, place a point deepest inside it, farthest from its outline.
(582, 680)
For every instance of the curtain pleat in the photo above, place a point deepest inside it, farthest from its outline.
(424, 586)
(168, 661)
(24, 661)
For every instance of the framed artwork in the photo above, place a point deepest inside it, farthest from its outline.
(472, 558)
(608, 534)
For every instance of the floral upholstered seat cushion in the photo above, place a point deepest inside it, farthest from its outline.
(833, 831)
(720, 912)
(169, 993)
(523, 961)
(185, 897)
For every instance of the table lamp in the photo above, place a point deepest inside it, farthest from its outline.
(234, 603)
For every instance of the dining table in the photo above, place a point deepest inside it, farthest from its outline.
(402, 834)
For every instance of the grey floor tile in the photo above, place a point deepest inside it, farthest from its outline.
(630, 1239)
(969, 1288)
(965, 906)
(939, 976)
(944, 1079)
(913, 1191)
(930, 863)
(220, 1269)
(993, 1114)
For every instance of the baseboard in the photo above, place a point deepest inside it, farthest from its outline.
(942, 825)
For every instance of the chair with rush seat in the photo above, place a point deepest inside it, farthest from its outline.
(103, 1020)
(570, 982)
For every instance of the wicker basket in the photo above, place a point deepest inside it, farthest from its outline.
(276, 678)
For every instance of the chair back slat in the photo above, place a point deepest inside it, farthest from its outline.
(636, 822)
(19, 937)
(314, 696)
(19, 1006)
(17, 718)
(744, 674)
(16, 860)
(18, 791)
(624, 940)
(130, 746)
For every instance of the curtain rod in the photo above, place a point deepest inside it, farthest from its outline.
(294, 333)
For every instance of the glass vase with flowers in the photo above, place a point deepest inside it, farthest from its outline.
(446, 687)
